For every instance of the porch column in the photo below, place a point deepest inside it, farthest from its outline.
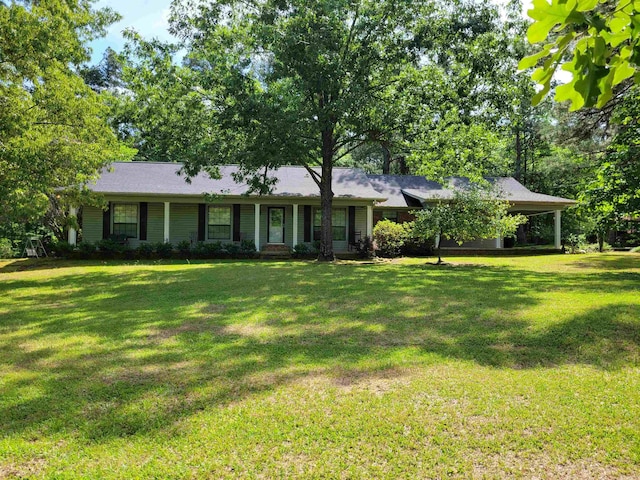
(498, 237)
(370, 221)
(167, 213)
(557, 230)
(295, 224)
(257, 226)
(72, 236)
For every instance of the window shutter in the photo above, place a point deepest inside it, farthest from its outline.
(236, 222)
(106, 222)
(307, 223)
(352, 225)
(143, 220)
(202, 220)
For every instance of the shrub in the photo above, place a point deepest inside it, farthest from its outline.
(389, 237)
(163, 249)
(86, 249)
(301, 250)
(63, 249)
(6, 248)
(111, 248)
(184, 248)
(635, 250)
(575, 242)
(419, 247)
(248, 246)
(232, 249)
(145, 250)
(365, 249)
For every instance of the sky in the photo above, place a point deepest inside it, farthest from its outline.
(150, 19)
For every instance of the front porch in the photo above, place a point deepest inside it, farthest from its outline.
(267, 224)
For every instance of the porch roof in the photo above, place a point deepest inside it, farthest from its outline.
(401, 189)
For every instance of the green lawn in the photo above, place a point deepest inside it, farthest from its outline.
(487, 367)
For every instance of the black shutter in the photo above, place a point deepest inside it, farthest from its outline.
(144, 207)
(202, 220)
(236, 222)
(352, 225)
(307, 223)
(106, 222)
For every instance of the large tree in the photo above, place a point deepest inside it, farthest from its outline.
(53, 128)
(274, 82)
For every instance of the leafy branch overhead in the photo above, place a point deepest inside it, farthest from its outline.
(595, 40)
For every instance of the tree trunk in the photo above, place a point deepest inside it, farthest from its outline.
(518, 166)
(601, 241)
(326, 198)
(402, 163)
(386, 159)
(438, 248)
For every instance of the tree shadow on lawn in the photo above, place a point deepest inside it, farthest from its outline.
(131, 352)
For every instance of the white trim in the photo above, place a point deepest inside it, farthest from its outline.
(295, 224)
(256, 228)
(557, 230)
(72, 234)
(167, 217)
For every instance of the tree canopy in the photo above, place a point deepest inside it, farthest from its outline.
(53, 127)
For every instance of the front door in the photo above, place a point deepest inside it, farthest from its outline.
(276, 225)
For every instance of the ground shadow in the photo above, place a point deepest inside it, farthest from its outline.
(197, 336)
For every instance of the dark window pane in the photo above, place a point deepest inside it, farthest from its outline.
(219, 232)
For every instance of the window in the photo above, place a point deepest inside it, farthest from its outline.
(125, 219)
(390, 215)
(220, 223)
(338, 224)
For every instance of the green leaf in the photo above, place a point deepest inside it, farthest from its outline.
(623, 71)
(531, 60)
(618, 23)
(547, 17)
(567, 92)
(586, 5)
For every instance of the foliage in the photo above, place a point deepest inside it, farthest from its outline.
(474, 212)
(86, 249)
(110, 248)
(6, 248)
(364, 247)
(184, 248)
(53, 127)
(612, 194)
(389, 237)
(162, 249)
(248, 246)
(301, 250)
(62, 249)
(601, 40)
(145, 250)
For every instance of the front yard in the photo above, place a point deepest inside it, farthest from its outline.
(487, 367)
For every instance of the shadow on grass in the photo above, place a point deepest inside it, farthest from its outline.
(115, 353)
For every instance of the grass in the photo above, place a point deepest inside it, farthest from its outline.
(487, 367)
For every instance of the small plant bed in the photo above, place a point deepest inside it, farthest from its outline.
(489, 367)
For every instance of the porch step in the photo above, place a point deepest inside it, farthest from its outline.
(275, 252)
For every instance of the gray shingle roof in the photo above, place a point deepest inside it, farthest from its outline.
(398, 188)
(153, 178)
